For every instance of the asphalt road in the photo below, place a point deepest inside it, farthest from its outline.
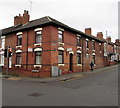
(97, 90)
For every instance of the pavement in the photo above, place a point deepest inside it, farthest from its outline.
(65, 77)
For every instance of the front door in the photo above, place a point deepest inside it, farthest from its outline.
(10, 62)
(71, 62)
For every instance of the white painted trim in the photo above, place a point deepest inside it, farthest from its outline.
(100, 44)
(2, 52)
(38, 44)
(2, 37)
(49, 18)
(79, 64)
(1, 64)
(78, 47)
(38, 49)
(60, 43)
(93, 40)
(93, 50)
(61, 48)
(87, 48)
(78, 51)
(35, 66)
(19, 46)
(61, 29)
(38, 29)
(93, 53)
(17, 65)
(18, 51)
(78, 35)
(19, 33)
(61, 64)
(71, 52)
(87, 39)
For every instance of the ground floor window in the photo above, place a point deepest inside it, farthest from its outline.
(38, 57)
(60, 57)
(78, 58)
(18, 58)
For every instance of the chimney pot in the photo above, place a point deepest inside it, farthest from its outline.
(117, 40)
(100, 35)
(108, 39)
(22, 19)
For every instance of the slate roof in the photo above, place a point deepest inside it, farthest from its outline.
(44, 21)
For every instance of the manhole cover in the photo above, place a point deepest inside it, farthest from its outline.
(35, 94)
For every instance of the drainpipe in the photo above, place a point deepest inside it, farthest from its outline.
(27, 52)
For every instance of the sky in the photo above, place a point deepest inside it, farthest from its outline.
(100, 15)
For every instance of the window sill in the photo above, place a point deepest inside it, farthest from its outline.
(61, 64)
(17, 65)
(93, 50)
(1, 64)
(38, 44)
(1, 52)
(79, 64)
(20, 46)
(60, 43)
(37, 66)
(87, 48)
(78, 47)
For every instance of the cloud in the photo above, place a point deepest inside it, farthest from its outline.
(101, 15)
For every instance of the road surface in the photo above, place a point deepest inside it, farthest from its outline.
(96, 90)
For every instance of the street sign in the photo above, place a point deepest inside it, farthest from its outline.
(69, 49)
(30, 49)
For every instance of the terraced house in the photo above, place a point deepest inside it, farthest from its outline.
(46, 47)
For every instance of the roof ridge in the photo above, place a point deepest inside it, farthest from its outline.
(48, 18)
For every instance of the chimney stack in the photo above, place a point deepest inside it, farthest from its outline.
(108, 39)
(22, 19)
(88, 31)
(18, 20)
(100, 35)
(26, 17)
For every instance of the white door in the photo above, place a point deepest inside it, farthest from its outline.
(10, 62)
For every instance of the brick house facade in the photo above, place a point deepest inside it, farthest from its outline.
(40, 45)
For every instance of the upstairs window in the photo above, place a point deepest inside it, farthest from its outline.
(60, 36)
(87, 46)
(19, 40)
(78, 41)
(105, 46)
(38, 36)
(100, 47)
(93, 45)
(60, 57)
(18, 58)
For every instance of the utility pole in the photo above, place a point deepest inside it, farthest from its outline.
(106, 34)
(30, 6)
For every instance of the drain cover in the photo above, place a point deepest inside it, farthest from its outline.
(35, 94)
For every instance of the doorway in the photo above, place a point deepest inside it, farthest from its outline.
(71, 62)
(10, 62)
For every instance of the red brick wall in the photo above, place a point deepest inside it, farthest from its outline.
(50, 52)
